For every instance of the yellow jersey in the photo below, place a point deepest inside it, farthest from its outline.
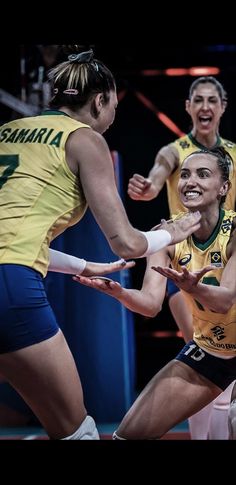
(185, 146)
(39, 195)
(212, 331)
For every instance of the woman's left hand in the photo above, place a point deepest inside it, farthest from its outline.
(185, 280)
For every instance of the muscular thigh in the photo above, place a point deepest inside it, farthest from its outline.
(34, 356)
(175, 393)
(45, 375)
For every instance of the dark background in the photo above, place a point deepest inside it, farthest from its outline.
(137, 135)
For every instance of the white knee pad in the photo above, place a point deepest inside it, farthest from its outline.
(116, 437)
(199, 423)
(232, 420)
(86, 431)
(223, 400)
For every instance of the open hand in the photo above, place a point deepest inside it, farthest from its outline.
(100, 269)
(180, 229)
(105, 285)
(185, 280)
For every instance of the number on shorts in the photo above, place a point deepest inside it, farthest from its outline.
(195, 352)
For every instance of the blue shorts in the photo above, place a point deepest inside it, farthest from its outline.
(219, 371)
(26, 317)
(172, 289)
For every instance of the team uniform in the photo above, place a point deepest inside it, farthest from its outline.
(39, 198)
(212, 352)
(185, 146)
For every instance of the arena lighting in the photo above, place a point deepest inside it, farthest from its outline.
(182, 71)
(204, 71)
(167, 333)
(151, 72)
(178, 71)
(161, 116)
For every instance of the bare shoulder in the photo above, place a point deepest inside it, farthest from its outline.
(86, 148)
(169, 153)
(85, 137)
(84, 141)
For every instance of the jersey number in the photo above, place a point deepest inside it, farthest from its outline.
(10, 162)
(207, 280)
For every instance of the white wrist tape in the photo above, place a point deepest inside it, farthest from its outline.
(156, 240)
(64, 263)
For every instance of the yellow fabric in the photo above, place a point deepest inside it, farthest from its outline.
(39, 195)
(213, 331)
(185, 147)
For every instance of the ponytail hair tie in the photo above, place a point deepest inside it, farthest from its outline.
(86, 56)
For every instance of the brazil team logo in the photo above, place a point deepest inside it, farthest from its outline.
(216, 259)
(185, 260)
(184, 144)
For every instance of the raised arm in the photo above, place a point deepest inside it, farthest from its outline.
(90, 151)
(141, 188)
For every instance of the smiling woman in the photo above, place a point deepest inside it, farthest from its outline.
(197, 180)
(203, 267)
(206, 104)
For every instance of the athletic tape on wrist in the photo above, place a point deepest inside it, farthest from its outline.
(156, 240)
(65, 263)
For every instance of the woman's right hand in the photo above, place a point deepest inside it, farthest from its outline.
(180, 229)
(105, 285)
(141, 188)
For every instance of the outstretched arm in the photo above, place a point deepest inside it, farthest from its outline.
(148, 300)
(141, 188)
(215, 298)
(65, 263)
(96, 172)
(185, 280)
